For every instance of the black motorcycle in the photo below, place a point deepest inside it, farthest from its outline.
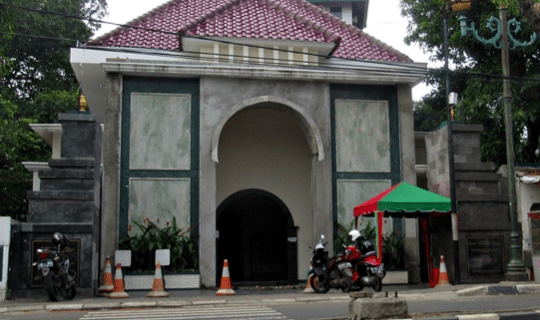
(328, 272)
(54, 265)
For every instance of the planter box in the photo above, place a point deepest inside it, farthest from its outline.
(172, 281)
(396, 277)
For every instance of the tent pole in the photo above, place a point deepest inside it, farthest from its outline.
(379, 234)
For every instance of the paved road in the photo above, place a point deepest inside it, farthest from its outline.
(432, 304)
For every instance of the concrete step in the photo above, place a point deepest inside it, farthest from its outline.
(479, 166)
(48, 211)
(67, 184)
(468, 197)
(477, 176)
(67, 174)
(61, 195)
(76, 163)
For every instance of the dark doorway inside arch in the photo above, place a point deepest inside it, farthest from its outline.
(258, 238)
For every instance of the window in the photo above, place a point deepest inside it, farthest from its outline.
(336, 11)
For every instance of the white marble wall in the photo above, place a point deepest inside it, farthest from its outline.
(362, 136)
(351, 193)
(159, 199)
(160, 134)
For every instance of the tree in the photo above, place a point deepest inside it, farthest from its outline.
(531, 12)
(41, 64)
(477, 76)
(36, 84)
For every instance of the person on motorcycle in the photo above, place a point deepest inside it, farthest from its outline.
(360, 242)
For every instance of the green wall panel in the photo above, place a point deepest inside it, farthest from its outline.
(362, 136)
(159, 199)
(351, 192)
(159, 154)
(370, 134)
(160, 133)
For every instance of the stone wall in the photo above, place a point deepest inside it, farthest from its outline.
(69, 202)
(482, 202)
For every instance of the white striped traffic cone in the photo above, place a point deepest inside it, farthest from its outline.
(158, 289)
(119, 291)
(443, 274)
(225, 288)
(108, 282)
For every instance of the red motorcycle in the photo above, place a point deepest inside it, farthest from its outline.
(367, 270)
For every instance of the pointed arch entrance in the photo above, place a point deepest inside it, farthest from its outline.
(265, 147)
(257, 236)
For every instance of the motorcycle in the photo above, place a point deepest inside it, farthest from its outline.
(326, 273)
(54, 266)
(367, 270)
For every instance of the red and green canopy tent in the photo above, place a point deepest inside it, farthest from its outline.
(401, 200)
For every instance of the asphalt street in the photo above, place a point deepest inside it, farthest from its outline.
(431, 304)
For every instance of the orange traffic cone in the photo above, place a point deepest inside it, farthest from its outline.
(158, 289)
(108, 282)
(308, 288)
(225, 288)
(443, 274)
(119, 290)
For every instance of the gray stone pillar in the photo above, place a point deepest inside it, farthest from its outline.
(111, 167)
(69, 201)
(406, 126)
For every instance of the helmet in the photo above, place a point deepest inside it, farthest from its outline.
(58, 239)
(366, 247)
(353, 235)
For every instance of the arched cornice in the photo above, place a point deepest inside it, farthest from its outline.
(307, 123)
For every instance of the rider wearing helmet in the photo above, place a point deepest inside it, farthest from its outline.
(361, 243)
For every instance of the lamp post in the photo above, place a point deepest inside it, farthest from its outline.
(451, 173)
(504, 40)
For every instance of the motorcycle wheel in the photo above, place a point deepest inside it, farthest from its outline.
(318, 286)
(347, 287)
(55, 289)
(70, 292)
(53, 284)
(377, 286)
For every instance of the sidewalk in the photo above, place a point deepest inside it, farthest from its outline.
(263, 296)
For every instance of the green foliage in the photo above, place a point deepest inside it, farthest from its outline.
(39, 64)
(370, 232)
(480, 94)
(19, 143)
(392, 247)
(183, 246)
(393, 252)
(36, 84)
(340, 239)
(425, 118)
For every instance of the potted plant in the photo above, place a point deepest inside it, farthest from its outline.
(183, 271)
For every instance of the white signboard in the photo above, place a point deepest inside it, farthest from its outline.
(123, 257)
(163, 256)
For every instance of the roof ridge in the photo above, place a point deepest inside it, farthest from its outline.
(131, 22)
(211, 14)
(274, 4)
(385, 46)
(327, 32)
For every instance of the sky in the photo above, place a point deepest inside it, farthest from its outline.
(384, 22)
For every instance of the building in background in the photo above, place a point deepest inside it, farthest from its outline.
(259, 124)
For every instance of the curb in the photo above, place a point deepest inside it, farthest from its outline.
(500, 290)
(486, 316)
(93, 306)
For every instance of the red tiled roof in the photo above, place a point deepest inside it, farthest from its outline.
(295, 20)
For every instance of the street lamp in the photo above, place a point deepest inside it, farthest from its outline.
(504, 40)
